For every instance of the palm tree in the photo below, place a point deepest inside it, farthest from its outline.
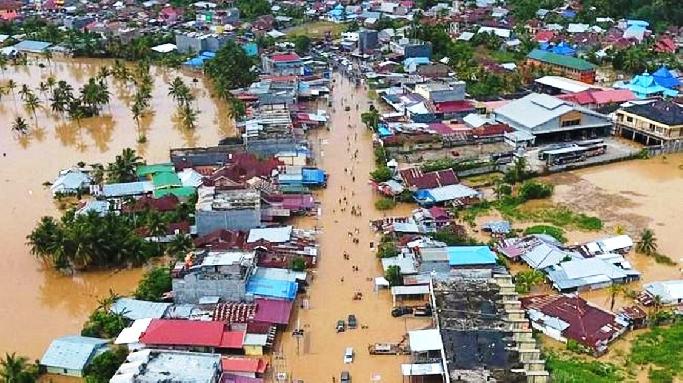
(47, 54)
(103, 73)
(43, 88)
(137, 109)
(32, 103)
(11, 85)
(648, 243)
(24, 91)
(17, 369)
(526, 280)
(188, 117)
(97, 173)
(76, 111)
(20, 126)
(51, 82)
(3, 64)
(123, 167)
(614, 290)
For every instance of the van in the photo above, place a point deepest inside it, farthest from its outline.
(348, 355)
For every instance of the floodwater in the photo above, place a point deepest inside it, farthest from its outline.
(39, 304)
(319, 355)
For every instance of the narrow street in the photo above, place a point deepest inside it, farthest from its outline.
(319, 355)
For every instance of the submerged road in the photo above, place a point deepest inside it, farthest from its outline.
(347, 205)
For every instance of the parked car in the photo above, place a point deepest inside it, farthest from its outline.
(348, 355)
(353, 323)
(341, 325)
(400, 311)
(345, 377)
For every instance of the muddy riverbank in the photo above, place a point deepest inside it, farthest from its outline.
(40, 304)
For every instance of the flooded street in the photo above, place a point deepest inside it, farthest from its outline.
(40, 304)
(319, 355)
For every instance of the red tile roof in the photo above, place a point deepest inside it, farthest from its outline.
(170, 332)
(665, 45)
(414, 177)
(454, 106)
(544, 36)
(273, 311)
(489, 130)
(588, 325)
(234, 312)
(222, 240)
(165, 203)
(599, 97)
(286, 57)
(234, 364)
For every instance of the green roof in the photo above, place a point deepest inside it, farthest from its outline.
(565, 61)
(145, 170)
(166, 180)
(182, 192)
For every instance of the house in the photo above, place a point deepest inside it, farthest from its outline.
(620, 244)
(125, 189)
(10, 10)
(197, 42)
(221, 240)
(591, 273)
(572, 67)
(222, 274)
(564, 317)
(368, 40)
(550, 118)
(70, 355)
(134, 309)
(444, 259)
(655, 123)
(668, 292)
(411, 48)
(170, 15)
(152, 366)
(144, 203)
(660, 83)
(191, 335)
(71, 181)
(440, 92)
(665, 44)
(457, 195)
(414, 178)
(227, 210)
(247, 367)
(598, 99)
(282, 64)
(271, 288)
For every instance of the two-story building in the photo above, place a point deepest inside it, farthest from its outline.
(283, 64)
(656, 123)
(567, 66)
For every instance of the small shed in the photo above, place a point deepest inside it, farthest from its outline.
(70, 355)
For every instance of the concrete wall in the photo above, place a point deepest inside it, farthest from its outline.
(195, 286)
(62, 371)
(238, 219)
(186, 44)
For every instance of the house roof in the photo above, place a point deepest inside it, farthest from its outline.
(274, 311)
(237, 364)
(454, 106)
(135, 309)
(286, 57)
(533, 110)
(561, 60)
(270, 234)
(665, 112)
(470, 255)
(425, 340)
(600, 97)
(587, 324)
(170, 332)
(668, 291)
(272, 288)
(222, 240)
(166, 180)
(414, 177)
(446, 193)
(127, 189)
(180, 192)
(163, 204)
(71, 352)
(144, 170)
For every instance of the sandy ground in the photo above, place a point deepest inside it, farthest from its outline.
(319, 355)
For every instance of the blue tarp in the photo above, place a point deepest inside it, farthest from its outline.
(470, 255)
(251, 49)
(313, 176)
(383, 131)
(568, 14)
(561, 49)
(272, 288)
(664, 78)
(208, 54)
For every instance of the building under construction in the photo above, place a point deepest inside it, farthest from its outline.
(484, 333)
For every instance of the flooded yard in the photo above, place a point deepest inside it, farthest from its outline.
(40, 304)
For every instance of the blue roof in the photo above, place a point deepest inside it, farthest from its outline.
(568, 14)
(72, 352)
(32, 46)
(127, 189)
(640, 23)
(470, 255)
(664, 78)
(313, 176)
(272, 288)
(383, 131)
(251, 49)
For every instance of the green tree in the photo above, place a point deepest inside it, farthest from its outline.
(17, 369)
(381, 174)
(179, 246)
(385, 204)
(302, 44)
(31, 103)
(104, 365)
(387, 249)
(251, 9)
(370, 118)
(535, 190)
(526, 280)
(230, 69)
(154, 284)
(124, 166)
(298, 264)
(648, 243)
(20, 126)
(393, 275)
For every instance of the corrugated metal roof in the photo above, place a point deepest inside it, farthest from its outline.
(555, 59)
(72, 352)
(136, 309)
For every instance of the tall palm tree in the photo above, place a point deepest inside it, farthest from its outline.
(103, 73)
(43, 88)
(51, 82)
(31, 103)
(137, 109)
(17, 369)
(614, 290)
(11, 85)
(179, 246)
(20, 126)
(3, 64)
(24, 91)
(648, 242)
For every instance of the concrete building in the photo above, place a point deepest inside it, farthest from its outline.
(199, 42)
(411, 48)
(152, 366)
(227, 209)
(572, 67)
(439, 92)
(70, 355)
(221, 275)
(550, 118)
(283, 64)
(656, 123)
(368, 41)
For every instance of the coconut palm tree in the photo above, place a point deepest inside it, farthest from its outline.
(3, 64)
(76, 111)
(137, 109)
(648, 242)
(123, 167)
(43, 88)
(24, 91)
(526, 280)
(17, 369)
(614, 290)
(20, 126)
(11, 85)
(51, 82)
(179, 246)
(188, 117)
(103, 73)
(31, 103)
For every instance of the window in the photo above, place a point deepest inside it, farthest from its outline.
(571, 123)
(629, 119)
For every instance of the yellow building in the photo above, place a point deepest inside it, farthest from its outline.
(659, 123)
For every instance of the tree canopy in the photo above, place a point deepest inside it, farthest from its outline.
(154, 284)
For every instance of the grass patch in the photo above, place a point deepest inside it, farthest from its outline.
(503, 57)
(552, 231)
(662, 347)
(661, 258)
(385, 204)
(317, 29)
(578, 371)
(559, 216)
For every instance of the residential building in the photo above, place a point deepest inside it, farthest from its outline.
(411, 48)
(134, 309)
(661, 83)
(368, 41)
(197, 42)
(549, 118)
(668, 292)
(441, 92)
(414, 178)
(564, 317)
(656, 123)
(282, 64)
(70, 355)
(191, 335)
(213, 275)
(600, 100)
(591, 273)
(153, 366)
(71, 181)
(218, 209)
(572, 67)
(452, 258)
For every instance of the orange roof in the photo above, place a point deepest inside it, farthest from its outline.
(232, 364)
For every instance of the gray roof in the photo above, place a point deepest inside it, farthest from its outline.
(127, 189)
(670, 292)
(545, 255)
(584, 272)
(72, 352)
(534, 109)
(71, 179)
(147, 366)
(136, 309)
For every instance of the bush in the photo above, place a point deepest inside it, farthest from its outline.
(393, 275)
(452, 238)
(405, 196)
(103, 324)
(387, 250)
(154, 284)
(660, 376)
(385, 204)
(535, 190)
(298, 264)
(575, 370)
(104, 366)
(553, 231)
(381, 174)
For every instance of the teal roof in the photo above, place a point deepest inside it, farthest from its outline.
(470, 255)
(565, 61)
(166, 180)
(145, 170)
(72, 352)
(181, 192)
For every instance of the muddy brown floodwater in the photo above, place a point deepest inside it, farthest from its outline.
(39, 304)
(319, 355)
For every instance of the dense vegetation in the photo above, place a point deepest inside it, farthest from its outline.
(17, 369)
(104, 366)
(231, 69)
(662, 347)
(573, 370)
(552, 231)
(103, 323)
(154, 284)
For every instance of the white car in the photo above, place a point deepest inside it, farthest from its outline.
(348, 355)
